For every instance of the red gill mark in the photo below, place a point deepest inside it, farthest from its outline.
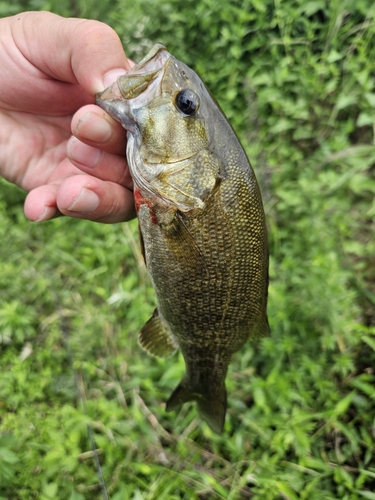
(140, 200)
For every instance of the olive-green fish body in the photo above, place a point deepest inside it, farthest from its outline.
(201, 221)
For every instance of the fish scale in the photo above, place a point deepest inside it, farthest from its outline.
(202, 225)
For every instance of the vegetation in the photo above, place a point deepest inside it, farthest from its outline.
(297, 81)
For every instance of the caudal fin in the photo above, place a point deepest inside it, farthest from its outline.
(211, 406)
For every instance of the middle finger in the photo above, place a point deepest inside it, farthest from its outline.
(100, 164)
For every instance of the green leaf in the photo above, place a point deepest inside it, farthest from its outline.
(369, 341)
(364, 119)
(344, 101)
(343, 405)
(366, 494)
(76, 496)
(370, 96)
(8, 456)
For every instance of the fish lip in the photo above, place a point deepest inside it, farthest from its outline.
(154, 62)
(115, 105)
(120, 107)
(108, 97)
(155, 55)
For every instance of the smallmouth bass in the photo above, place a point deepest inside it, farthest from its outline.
(202, 225)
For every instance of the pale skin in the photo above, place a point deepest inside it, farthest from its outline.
(55, 143)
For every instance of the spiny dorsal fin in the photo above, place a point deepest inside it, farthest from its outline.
(156, 339)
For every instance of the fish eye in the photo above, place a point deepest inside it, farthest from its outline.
(187, 101)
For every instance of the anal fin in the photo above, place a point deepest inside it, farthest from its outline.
(263, 328)
(155, 337)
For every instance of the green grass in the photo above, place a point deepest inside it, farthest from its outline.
(296, 79)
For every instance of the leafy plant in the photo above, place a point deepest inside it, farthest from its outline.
(296, 80)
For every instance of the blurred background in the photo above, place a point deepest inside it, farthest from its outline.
(296, 80)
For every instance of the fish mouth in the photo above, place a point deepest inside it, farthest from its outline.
(153, 60)
(146, 75)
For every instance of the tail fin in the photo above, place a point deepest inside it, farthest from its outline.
(211, 406)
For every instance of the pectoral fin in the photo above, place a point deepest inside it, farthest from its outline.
(187, 244)
(156, 339)
(142, 245)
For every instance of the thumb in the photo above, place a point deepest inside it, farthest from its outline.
(71, 50)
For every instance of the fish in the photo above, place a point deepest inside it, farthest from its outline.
(201, 222)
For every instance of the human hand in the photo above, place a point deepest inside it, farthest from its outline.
(50, 70)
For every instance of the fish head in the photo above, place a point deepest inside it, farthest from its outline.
(159, 101)
(168, 112)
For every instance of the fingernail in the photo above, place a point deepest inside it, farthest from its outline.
(48, 213)
(94, 128)
(112, 76)
(87, 201)
(84, 154)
